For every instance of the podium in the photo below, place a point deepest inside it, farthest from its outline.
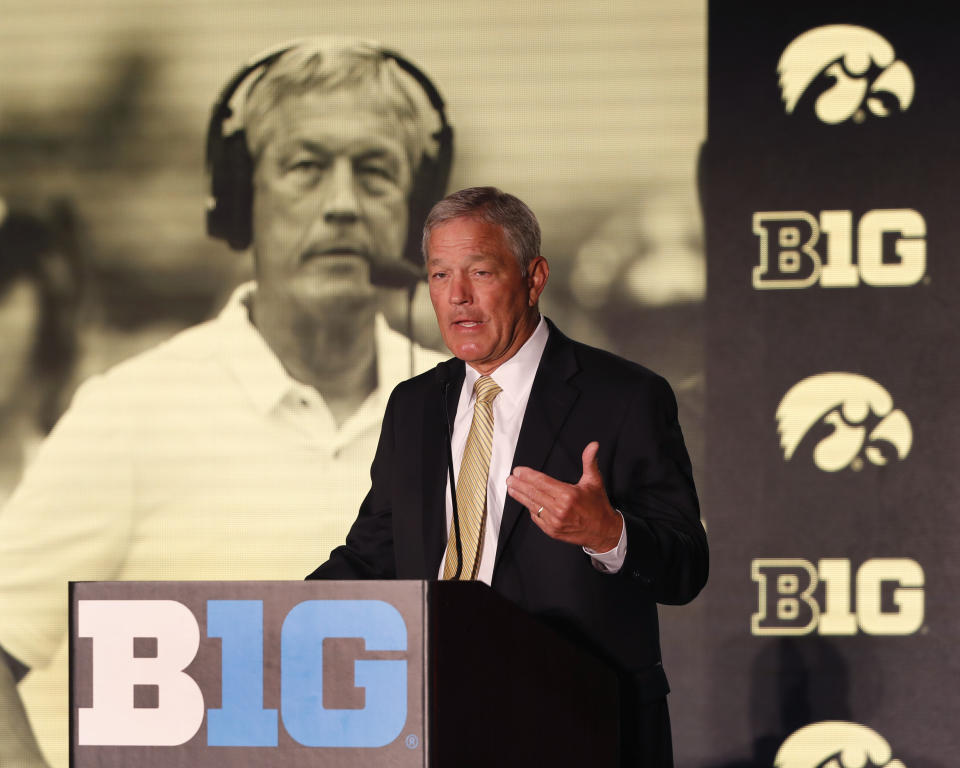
(353, 674)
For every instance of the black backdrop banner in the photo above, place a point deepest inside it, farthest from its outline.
(833, 436)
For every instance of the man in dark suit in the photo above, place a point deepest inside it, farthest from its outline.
(587, 516)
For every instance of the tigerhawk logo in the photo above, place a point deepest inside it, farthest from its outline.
(836, 744)
(867, 76)
(861, 413)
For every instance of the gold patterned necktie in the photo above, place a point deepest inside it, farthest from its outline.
(472, 483)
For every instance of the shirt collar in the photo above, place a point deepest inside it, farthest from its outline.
(257, 370)
(515, 376)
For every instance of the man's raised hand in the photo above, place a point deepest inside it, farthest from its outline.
(578, 514)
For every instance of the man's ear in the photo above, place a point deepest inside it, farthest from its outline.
(537, 274)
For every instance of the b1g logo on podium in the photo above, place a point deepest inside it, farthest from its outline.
(850, 71)
(888, 592)
(836, 744)
(144, 647)
(891, 249)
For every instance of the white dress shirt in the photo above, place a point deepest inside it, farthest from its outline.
(515, 379)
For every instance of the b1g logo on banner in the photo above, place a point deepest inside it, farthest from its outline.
(888, 592)
(891, 249)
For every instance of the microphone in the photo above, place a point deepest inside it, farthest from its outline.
(443, 374)
(400, 273)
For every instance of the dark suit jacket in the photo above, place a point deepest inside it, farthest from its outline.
(579, 394)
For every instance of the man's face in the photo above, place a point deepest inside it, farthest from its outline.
(485, 307)
(330, 196)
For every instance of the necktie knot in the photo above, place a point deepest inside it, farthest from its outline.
(486, 389)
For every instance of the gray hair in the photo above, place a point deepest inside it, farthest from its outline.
(496, 207)
(326, 64)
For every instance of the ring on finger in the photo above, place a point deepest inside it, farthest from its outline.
(540, 511)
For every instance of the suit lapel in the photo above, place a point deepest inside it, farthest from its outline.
(435, 467)
(551, 398)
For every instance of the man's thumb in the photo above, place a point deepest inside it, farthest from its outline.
(591, 471)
